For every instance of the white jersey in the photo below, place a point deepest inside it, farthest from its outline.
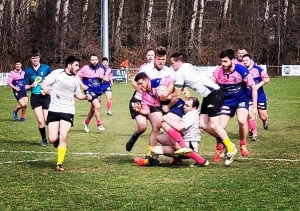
(188, 75)
(154, 73)
(63, 89)
(190, 121)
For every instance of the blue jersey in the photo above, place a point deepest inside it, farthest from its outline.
(32, 75)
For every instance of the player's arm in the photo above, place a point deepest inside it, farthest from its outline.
(253, 87)
(45, 88)
(81, 96)
(186, 92)
(265, 78)
(139, 108)
(174, 124)
(28, 86)
(10, 84)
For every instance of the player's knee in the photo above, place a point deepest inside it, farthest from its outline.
(142, 127)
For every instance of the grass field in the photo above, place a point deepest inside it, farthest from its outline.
(100, 173)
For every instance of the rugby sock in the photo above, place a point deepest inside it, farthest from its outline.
(108, 105)
(176, 136)
(135, 137)
(252, 125)
(149, 148)
(243, 142)
(220, 144)
(61, 153)
(87, 121)
(98, 122)
(43, 132)
(228, 144)
(196, 157)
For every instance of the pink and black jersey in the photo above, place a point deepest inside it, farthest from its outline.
(234, 84)
(151, 98)
(16, 78)
(258, 75)
(91, 77)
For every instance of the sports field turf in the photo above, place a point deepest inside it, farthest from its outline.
(100, 174)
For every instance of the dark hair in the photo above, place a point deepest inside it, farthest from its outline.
(243, 48)
(178, 56)
(17, 61)
(93, 54)
(195, 101)
(160, 51)
(149, 49)
(227, 53)
(104, 59)
(247, 55)
(140, 76)
(35, 52)
(71, 60)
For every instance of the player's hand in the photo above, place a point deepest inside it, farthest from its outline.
(88, 97)
(46, 91)
(17, 88)
(34, 84)
(254, 112)
(163, 97)
(85, 87)
(165, 108)
(186, 94)
(137, 106)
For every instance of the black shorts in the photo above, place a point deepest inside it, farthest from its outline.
(57, 116)
(212, 103)
(94, 95)
(19, 95)
(40, 100)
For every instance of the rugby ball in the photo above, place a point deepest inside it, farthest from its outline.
(161, 89)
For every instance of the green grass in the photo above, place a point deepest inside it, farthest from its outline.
(107, 178)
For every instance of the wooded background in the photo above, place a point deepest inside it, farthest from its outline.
(270, 29)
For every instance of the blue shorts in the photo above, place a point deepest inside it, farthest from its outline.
(105, 86)
(178, 108)
(19, 95)
(231, 110)
(94, 95)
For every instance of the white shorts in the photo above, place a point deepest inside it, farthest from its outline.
(193, 145)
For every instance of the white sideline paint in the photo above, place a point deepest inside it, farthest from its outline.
(21, 161)
(128, 154)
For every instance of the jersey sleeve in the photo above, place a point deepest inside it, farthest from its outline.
(263, 73)
(179, 80)
(10, 78)
(51, 78)
(27, 78)
(77, 89)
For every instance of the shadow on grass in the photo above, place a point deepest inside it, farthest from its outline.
(43, 164)
(31, 143)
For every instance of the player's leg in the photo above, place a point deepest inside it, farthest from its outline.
(108, 94)
(18, 107)
(64, 128)
(242, 116)
(252, 124)
(141, 126)
(90, 115)
(23, 103)
(96, 105)
(263, 114)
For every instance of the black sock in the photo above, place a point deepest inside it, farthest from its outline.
(43, 132)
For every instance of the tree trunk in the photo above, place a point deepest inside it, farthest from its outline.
(200, 25)
(118, 27)
(2, 5)
(57, 24)
(193, 23)
(148, 22)
(83, 34)
(265, 44)
(64, 30)
(169, 23)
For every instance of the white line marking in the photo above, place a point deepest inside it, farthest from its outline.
(21, 161)
(129, 154)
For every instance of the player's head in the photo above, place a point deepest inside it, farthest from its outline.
(177, 59)
(191, 103)
(35, 57)
(150, 55)
(94, 60)
(247, 60)
(227, 59)
(143, 81)
(160, 57)
(240, 52)
(72, 64)
(105, 62)
(18, 65)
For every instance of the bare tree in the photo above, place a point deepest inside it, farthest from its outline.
(83, 24)
(193, 23)
(148, 21)
(200, 25)
(118, 27)
(64, 30)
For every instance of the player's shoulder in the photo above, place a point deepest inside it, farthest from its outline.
(241, 69)
(258, 68)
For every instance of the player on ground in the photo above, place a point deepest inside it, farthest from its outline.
(92, 75)
(39, 103)
(234, 80)
(260, 78)
(141, 120)
(62, 85)
(107, 85)
(16, 82)
(188, 75)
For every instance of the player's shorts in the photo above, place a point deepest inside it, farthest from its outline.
(19, 95)
(57, 116)
(194, 145)
(107, 88)
(260, 105)
(94, 95)
(40, 100)
(212, 103)
(178, 108)
(231, 110)
(132, 102)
